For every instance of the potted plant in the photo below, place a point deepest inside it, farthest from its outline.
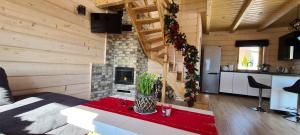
(145, 100)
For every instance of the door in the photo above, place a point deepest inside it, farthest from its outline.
(211, 69)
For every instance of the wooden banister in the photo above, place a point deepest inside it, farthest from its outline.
(152, 38)
(162, 11)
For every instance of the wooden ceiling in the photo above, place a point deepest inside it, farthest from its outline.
(230, 15)
(286, 19)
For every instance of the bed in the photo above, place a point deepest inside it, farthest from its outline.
(39, 114)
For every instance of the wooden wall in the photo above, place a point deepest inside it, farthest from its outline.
(297, 66)
(189, 19)
(46, 46)
(230, 52)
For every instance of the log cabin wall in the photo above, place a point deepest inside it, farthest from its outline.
(46, 46)
(297, 66)
(189, 19)
(230, 53)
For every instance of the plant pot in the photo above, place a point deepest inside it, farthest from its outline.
(145, 104)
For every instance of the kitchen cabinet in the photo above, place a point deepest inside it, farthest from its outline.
(226, 82)
(240, 83)
(237, 83)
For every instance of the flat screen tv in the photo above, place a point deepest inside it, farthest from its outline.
(289, 46)
(106, 23)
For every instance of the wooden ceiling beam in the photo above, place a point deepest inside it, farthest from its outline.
(247, 5)
(110, 3)
(208, 16)
(107, 3)
(279, 13)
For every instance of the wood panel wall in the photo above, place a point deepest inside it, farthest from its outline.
(230, 52)
(297, 66)
(189, 19)
(46, 46)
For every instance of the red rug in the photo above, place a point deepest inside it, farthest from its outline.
(194, 122)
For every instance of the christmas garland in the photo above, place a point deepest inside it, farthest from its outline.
(189, 52)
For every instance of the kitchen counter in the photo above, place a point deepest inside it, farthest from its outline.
(236, 82)
(268, 73)
(281, 99)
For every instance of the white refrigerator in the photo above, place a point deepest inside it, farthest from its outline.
(211, 69)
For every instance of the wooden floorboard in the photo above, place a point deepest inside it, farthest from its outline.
(233, 117)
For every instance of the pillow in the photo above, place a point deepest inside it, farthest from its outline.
(5, 93)
(4, 97)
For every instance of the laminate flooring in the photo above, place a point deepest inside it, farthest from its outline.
(234, 117)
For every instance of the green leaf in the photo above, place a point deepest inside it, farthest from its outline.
(145, 83)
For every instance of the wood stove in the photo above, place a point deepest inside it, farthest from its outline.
(124, 75)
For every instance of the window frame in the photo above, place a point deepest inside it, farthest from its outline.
(261, 51)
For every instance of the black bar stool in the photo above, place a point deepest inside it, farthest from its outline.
(294, 89)
(259, 86)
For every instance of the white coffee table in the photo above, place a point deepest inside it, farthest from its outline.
(108, 123)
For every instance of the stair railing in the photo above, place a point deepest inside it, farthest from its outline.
(161, 6)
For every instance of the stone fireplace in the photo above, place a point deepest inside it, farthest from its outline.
(124, 75)
(123, 54)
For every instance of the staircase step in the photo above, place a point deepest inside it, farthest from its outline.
(151, 31)
(154, 40)
(143, 9)
(157, 47)
(160, 60)
(147, 20)
(161, 53)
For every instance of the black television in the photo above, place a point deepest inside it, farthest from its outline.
(106, 23)
(289, 46)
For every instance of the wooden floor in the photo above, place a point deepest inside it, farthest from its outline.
(233, 117)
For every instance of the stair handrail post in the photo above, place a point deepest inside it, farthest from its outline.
(161, 9)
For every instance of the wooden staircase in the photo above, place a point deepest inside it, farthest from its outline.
(148, 20)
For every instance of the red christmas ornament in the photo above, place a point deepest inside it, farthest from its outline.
(175, 27)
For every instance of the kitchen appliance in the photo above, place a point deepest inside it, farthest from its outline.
(264, 67)
(211, 69)
(231, 67)
(225, 68)
(281, 69)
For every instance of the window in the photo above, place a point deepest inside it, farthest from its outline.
(248, 58)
